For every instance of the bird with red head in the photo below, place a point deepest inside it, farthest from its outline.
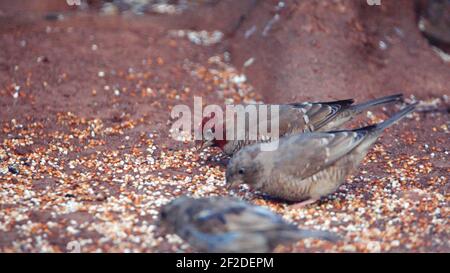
(294, 118)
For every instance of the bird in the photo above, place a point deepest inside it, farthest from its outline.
(227, 224)
(293, 118)
(306, 166)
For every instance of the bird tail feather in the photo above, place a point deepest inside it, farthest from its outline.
(316, 234)
(390, 121)
(363, 106)
(396, 117)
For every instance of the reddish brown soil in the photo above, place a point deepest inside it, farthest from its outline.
(316, 39)
(316, 51)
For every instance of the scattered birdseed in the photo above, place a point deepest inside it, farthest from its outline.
(81, 181)
(203, 37)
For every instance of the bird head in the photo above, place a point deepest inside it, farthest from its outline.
(207, 128)
(170, 214)
(243, 169)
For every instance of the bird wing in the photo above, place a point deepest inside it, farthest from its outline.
(295, 117)
(306, 154)
(236, 216)
(317, 114)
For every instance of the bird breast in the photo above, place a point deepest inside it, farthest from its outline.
(297, 189)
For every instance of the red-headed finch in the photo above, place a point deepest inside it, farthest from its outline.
(306, 166)
(293, 118)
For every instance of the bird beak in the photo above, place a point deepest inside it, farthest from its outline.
(159, 224)
(161, 228)
(233, 185)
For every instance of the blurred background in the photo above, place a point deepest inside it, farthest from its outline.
(294, 49)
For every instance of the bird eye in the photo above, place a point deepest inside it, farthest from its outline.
(241, 171)
(163, 215)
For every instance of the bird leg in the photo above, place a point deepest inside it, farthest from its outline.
(303, 204)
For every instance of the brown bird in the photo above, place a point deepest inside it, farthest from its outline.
(224, 224)
(293, 118)
(306, 166)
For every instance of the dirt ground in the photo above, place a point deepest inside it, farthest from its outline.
(86, 157)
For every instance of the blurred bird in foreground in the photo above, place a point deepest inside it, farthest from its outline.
(225, 224)
(293, 118)
(306, 166)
